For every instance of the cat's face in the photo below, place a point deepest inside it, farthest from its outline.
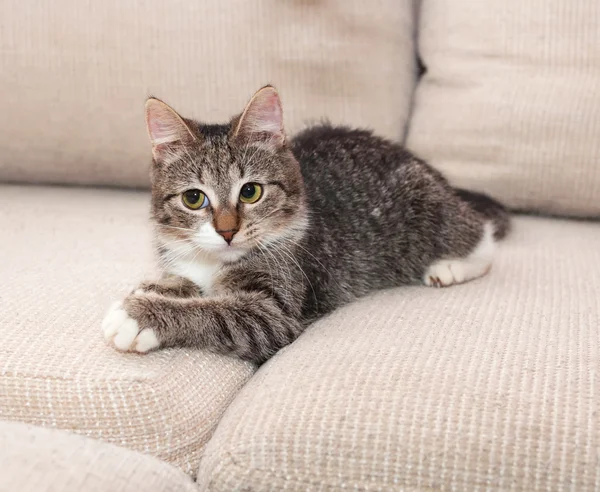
(222, 191)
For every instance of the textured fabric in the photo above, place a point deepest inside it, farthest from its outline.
(33, 459)
(488, 385)
(74, 74)
(66, 255)
(510, 103)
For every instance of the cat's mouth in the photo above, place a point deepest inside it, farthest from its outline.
(227, 253)
(213, 249)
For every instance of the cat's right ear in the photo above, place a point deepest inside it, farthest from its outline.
(166, 128)
(262, 120)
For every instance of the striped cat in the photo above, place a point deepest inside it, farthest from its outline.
(259, 234)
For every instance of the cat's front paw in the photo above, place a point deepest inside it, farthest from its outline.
(124, 333)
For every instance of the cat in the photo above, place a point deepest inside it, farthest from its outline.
(260, 234)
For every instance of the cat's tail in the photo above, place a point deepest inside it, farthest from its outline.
(490, 209)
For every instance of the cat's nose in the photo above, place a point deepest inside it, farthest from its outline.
(228, 235)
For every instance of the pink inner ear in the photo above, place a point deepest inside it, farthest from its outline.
(164, 126)
(157, 128)
(263, 116)
(268, 114)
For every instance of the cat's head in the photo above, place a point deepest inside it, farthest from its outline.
(224, 190)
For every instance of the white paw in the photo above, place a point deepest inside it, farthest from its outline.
(124, 333)
(146, 341)
(444, 273)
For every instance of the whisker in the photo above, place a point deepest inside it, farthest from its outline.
(285, 272)
(170, 261)
(262, 249)
(178, 228)
(171, 242)
(290, 255)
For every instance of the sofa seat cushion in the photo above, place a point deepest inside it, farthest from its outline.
(488, 385)
(35, 459)
(66, 255)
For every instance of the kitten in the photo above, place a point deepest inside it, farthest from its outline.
(260, 235)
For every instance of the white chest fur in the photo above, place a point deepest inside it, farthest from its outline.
(200, 271)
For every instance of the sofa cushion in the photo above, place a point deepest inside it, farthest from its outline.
(510, 104)
(73, 80)
(35, 459)
(66, 255)
(488, 385)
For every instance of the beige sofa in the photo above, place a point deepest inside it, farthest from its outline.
(491, 385)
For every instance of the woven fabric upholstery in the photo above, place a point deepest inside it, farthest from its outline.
(510, 103)
(74, 74)
(66, 254)
(34, 459)
(492, 385)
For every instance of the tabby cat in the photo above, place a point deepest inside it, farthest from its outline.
(259, 234)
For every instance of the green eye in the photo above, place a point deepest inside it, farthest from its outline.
(194, 199)
(250, 193)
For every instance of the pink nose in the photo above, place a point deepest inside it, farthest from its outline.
(228, 235)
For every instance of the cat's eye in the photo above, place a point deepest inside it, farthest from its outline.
(194, 199)
(250, 193)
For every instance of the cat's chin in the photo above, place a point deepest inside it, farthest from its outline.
(230, 255)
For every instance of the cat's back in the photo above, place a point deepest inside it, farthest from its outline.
(351, 169)
(325, 149)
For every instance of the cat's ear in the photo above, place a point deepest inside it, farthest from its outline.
(262, 120)
(166, 128)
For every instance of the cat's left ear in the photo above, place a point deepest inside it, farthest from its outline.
(166, 128)
(262, 120)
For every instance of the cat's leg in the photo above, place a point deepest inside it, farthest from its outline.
(472, 219)
(250, 325)
(450, 271)
(117, 318)
(170, 286)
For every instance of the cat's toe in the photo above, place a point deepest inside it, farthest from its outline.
(458, 272)
(439, 275)
(119, 328)
(146, 341)
(432, 281)
(113, 319)
(126, 335)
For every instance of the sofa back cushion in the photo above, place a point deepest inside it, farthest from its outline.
(510, 102)
(74, 77)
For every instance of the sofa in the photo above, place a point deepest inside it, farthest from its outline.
(490, 385)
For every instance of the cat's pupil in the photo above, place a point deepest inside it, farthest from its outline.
(192, 196)
(248, 190)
